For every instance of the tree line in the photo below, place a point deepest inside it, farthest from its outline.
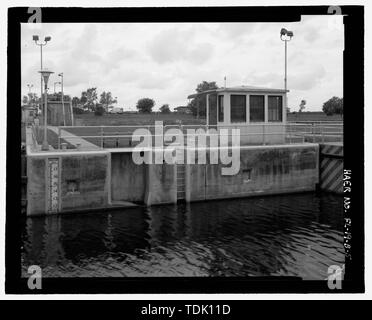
(89, 101)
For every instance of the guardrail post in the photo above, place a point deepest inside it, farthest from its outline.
(102, 138)
(264, 134)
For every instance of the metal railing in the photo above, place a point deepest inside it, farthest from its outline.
(316, 131)
(258, 134)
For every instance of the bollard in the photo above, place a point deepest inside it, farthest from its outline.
(78, 146)
(64, 146)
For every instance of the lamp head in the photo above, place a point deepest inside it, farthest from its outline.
(60, 74)
(47, 39)
(283, 32)
(45, 74)
(35, 37)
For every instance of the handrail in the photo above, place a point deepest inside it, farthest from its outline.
(292, 131)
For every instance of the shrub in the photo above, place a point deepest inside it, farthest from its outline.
(76, 110)
(99, 111)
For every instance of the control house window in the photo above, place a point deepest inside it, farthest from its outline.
(238, 108)
(220, 109)
(256, 108)
(275, 108)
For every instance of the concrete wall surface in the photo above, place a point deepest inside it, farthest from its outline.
(161, 184)
(90, 174)
(265, 170)
(81, 182)
(127, 178)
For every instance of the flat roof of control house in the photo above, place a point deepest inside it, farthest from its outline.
(239, 89)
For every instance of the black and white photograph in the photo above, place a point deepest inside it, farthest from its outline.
(186, 150)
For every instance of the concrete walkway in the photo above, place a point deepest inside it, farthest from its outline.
(74, 139)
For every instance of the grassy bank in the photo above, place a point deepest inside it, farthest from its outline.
(312, 116)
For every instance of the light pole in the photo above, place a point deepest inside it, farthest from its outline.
(285, 36)
(63, 103)
(45, 75)
(41, 44)
(55, 85)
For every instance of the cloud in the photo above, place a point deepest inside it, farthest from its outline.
(174, 45)
(166, 61)
(307, 79)
(312, 34)
(237, 30)
(169, 45)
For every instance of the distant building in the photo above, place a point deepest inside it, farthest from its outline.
(183, 109)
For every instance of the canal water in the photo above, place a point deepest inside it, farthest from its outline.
(289, 235)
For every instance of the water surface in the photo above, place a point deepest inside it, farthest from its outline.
(291, 235)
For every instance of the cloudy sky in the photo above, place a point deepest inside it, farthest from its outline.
(165, 61)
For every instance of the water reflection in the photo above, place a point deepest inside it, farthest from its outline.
(299, 235)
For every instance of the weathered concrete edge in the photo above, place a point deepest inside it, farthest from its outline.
(129, 150)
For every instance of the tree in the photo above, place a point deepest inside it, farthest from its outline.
(165, 108)
(30, 99)
(145, 105)
(302, 105)
(335, 105)
(89, 98)
(106, 99)
(198, 104)
(83, 98)
(75, 101)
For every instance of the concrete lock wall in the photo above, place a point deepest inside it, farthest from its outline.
(94, 180)
(263, 170)
(81, 182)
